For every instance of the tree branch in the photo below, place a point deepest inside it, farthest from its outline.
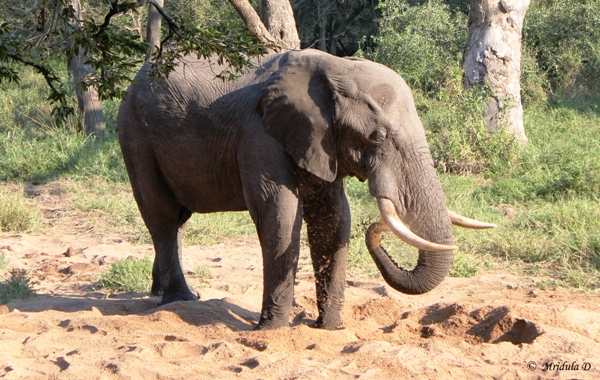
(170, 21)
(26, 12)
(116, 8)
(254, 24)
(340, 27)
(49, 76)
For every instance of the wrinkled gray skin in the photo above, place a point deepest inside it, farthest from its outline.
(278, 141)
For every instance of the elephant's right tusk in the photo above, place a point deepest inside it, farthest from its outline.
(391, 218)
(461, 221)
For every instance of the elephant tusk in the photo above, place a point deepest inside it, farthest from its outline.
(391, 218)
(461, 221)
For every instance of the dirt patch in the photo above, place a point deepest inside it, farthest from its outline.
(494, 325)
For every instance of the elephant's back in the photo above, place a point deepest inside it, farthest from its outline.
(194, 90)
(193, 82)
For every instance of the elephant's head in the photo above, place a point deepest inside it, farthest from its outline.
(346, 116)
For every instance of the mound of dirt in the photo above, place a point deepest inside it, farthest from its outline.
(491, 326)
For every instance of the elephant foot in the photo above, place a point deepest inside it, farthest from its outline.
(156, 289)
(185, 295)
(270, 325)
(273, 320)
(328, 322)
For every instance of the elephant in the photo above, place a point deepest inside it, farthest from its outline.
(278, 141)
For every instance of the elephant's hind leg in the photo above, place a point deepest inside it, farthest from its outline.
(176, 290)
(164, 217)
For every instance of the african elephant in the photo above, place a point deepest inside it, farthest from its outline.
(278, 141)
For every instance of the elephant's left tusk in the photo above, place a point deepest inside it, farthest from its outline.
(461, 221)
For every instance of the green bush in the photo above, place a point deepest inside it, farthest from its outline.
(561, 161)
(17, 287)
(457, 136)
(3, 262)
(423, 43)
(535, 85)
(563, 37)
(128, 275)
(16, 214)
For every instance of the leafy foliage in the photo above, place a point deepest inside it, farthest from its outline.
(335, 26)
(17, 214)
(423, 43)
(113, 44)
(562, 36)
(3, 261)
(128, 275)
(562, 160)
(17, 287)
(456, 133)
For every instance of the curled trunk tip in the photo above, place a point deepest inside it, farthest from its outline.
(431, 269)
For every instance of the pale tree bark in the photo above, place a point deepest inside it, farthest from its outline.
(275, 26)
(278, 17)
(153, 28)
(90, 105)
(493, 56)
(253, 22)
(322, 44)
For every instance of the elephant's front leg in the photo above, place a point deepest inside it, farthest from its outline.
(272, 197)
(327, 215)
(278, 221)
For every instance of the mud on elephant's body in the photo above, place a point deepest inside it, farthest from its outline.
(278, 142)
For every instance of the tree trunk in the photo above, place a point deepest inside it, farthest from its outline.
(493, 56)
(90, 105)
(276, 24)
(153, 28)
(322, 45)
(253, 22)
(278, 17)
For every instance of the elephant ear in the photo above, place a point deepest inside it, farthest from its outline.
(297, 108)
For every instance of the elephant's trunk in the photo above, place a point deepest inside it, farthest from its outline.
(434, 258)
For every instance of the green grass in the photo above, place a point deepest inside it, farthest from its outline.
(66, 154)
(128, 275)
(202, 275)
(546, 203)
(17, 213)
(17, 287)
(3, 261)
(208, 229)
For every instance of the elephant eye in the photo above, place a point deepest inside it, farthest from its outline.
(378, 136)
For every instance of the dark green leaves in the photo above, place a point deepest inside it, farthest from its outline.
(109, 38)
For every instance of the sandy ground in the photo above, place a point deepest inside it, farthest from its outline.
(494, 325)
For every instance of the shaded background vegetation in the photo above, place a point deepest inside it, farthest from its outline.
(544, 197)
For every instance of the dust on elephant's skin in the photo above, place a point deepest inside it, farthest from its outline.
(278, 142)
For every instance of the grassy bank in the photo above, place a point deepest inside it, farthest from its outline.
(545, 201)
